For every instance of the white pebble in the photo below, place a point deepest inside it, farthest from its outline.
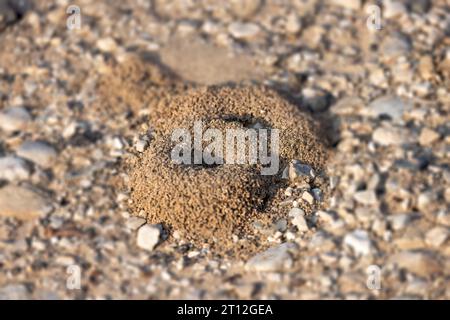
(359, 242)
(148, 237)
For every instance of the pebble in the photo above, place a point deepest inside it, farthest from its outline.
(393, 8)
(437, 236)
(107, 44)
(395, 45)
(386, 136)
(141, 145)
(419, 6)
(148, 236)
(308, 197)
(133, 223)
(38, 152)
(273, 259)
(14, 119)
(22, 203)
(14, 292)
(348, 4)
(293, 24)
(295, 212)
(300, 222)
(317, 194)
(359, 241)
(245, 8)
(297, 169)
(400, 221)
(392, 106)
(421, 263)
(366, 197)
(427, 137)
(14, 169)
(241, 30)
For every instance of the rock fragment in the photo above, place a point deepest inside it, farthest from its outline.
(148, 237)
(22, 203)
(38, 152)
(14, 119)
(273, 259)
(359, 242)
(14, 169)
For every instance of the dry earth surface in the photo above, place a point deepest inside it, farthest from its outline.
(77, 104)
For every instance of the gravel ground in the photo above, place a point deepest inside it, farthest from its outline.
(380, 95)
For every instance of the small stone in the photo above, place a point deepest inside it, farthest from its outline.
(386, 136)
(293, 24)
(419, 6)
(400, 221)
(141, 145)
(393, 8)
(308, 197)
(148, 236)
(359, 242)
(366, 197)
(300, 222)
(437, 236)
(281, 225)
(395, 45)
(297, 169)
(325, 216)
(427, 137)
(14, 292)
(241, 30)
(38, 152)
(273, 259)
(348, 4)
(392, 106)
(245, 8)
(133, 223)
(295, 212)
(107, 44)
(22, 203)
(14, 119)
(421, 263)
(14, 169)
(317, 194)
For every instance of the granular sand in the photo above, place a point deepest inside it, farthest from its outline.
(218, 204)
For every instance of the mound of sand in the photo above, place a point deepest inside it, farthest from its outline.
(210, 204)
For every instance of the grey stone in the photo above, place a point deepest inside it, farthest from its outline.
(14, 292)
(22, 203)
(38, 152)
(133, 223)
(387, 135)
(273, 259)
(241, 30)
(14, 169)
(392, 106)
(395, 45)
(359, 242)
(366, 197)
(14, 119)
(298, 169)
